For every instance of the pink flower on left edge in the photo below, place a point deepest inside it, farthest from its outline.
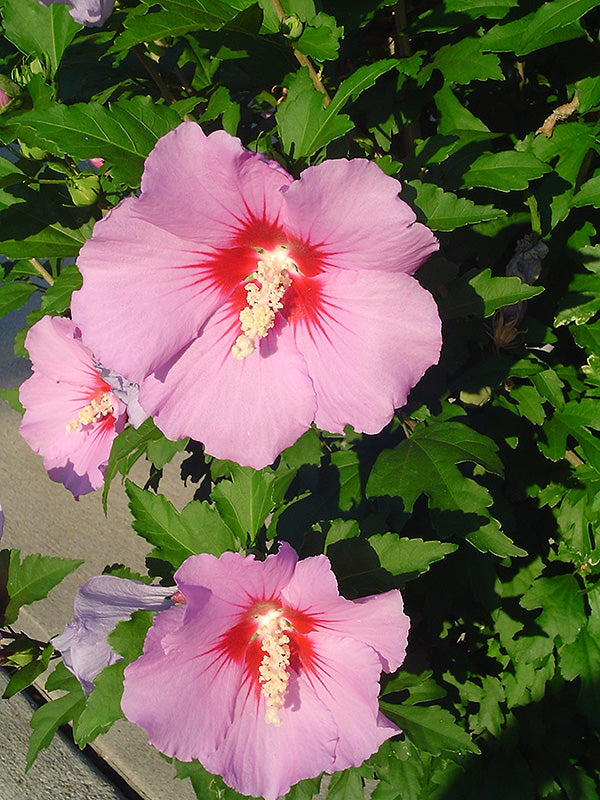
(265, 674)
(92, 13)
(71, 414)
(257, 304)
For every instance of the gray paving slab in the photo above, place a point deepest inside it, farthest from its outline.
(61, 772)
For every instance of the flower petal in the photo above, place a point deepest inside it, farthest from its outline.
(237, 579)
(247, 410)
(372, 339)
(351, 211)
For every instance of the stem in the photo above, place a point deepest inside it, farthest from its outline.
(49, 180)
(531, 203)
(302, 59)
(149, 67)
(42, 271)
(413, 129)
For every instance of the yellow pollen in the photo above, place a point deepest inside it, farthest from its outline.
(95, 410)
(273, 674)
(264, 300)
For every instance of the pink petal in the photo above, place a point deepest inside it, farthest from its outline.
(351, 210)
(372, 339)
(55, 350)
(238, 579)
(182, 694)
(378, 621)
(211, 185)
(247, 410)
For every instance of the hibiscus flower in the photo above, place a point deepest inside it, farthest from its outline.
(255, 304)
(71, 414)
(265, 674)
(99, 604)
(92, 13)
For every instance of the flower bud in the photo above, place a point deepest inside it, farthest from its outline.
(84, 189)
(291, 27)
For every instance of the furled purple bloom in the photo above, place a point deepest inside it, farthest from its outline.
(92, 13)
(71, 415)
(256, 304)
(5, 98)
(127, 392)
(99, 604)
(266, 675)
(1, 522)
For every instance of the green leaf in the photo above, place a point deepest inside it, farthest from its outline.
(561, 602)
(103, 706)
(455, 118)
(402, 556)
(346, 785)
(25, 676)
(305, 125)
(221, 103)
(589, 194)
(588, 92)
(47, 719)
(198, 529)
(553, 22)
(177, 18)
(122, 134)
(347, 464)
(463, 62)
(245, 502)
(57, 298)
(31, 579)
(129, 446)
(430, 728)
(581, 659)
(508, 171)
(161, 451)
(445, 211)
(30, 230)
(320, 38)
(491, 9)
(39, 31)
(577, 418)
(583, 299)
(14, 295)
(482, 295)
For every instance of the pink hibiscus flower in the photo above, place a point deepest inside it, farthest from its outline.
(71, 414)
(266, 675)
(256, 304)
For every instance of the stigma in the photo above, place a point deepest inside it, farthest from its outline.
(273, 671)
(94, 411)
(264, 295)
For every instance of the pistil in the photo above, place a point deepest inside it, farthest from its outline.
(94, 411)
(264, 294)
(273, 671)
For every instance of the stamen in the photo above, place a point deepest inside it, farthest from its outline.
(95, 410)
(273, 672)
(263, 300)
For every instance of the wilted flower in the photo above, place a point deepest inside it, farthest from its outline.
(266, 675)
(1, 522)
(99, 604)
(71, 414)
(5, 98)
(291, 299)
(92, 13)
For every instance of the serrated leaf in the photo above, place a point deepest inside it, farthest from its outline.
(198, 529)
(305, 125)
(430, 728)
(245, 502)
(402, 555)
(31, 579)
(122, 134)
(346, 785)
(445, 211)
(577, 418)
(509, 171)
(14, 295)
(30, 230)
(463, 62)
(177, 18)
(491, 9)
(553, 22)
(320, 38)
(588, 93)
(57, 298)
(47, 719)
(347, 464)
(39, 31)
(129, 446)
(561, 602)
(589, 194)
(456, 119)
(483, 294)
(161, 451)
(25, 676)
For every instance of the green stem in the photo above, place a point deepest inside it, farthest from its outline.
(536, 224)
(42, 271)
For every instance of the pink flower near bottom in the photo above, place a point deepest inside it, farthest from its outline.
(266, 675)
(71, 415)
(258, 304)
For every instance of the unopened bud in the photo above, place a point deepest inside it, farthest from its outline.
(291, 27)
(84, 189)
